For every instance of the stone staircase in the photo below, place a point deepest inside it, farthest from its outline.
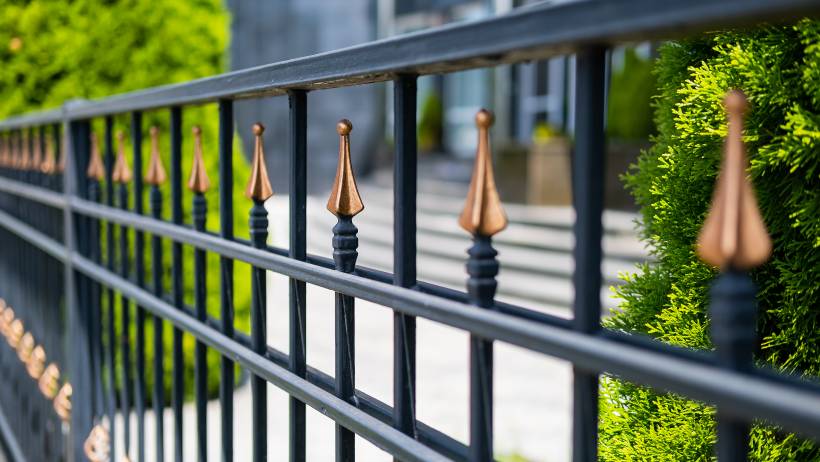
(535, 251)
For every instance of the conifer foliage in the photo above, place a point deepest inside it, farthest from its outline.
(779, 70)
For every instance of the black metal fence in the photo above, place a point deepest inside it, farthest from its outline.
(60, 281)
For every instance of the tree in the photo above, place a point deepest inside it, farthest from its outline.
(53, 51)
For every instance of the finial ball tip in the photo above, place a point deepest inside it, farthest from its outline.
(197, 130)
(154, 130)
(484, 118)
(736, 101)
(258, 129)
(344, 127)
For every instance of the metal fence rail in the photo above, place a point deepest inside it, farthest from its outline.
(66, 203)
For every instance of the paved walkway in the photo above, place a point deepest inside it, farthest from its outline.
(532, 392)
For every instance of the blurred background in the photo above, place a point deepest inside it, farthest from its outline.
(56, 51)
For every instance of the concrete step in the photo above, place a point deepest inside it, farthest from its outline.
(527, 276)
(535, 228)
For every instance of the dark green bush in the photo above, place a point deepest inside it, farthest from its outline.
(779, 69)
(629, 115)
(52, 51)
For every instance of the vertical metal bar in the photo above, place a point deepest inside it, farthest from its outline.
(159, 348)
(298, 251)
(345, 244)
(139, 268)
(733, 310)
(74, 180)
(482, 267)
(588, 186)
(404, 251)
(200, 212)
(259, 235)
(125, 325)
(226, 372)
(95, 253)
(109, 242)
(178, 389)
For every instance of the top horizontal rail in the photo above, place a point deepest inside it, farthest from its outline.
(524, 34)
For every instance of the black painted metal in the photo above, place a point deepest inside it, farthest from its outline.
(345, 244)
(226, 373)
(110, 351)
(588, 183)
(200, 211)
(734, 321)
(258, 225)
(404, 252)
(125, 328)
(178, 386)
(159, 328)
(298, 250)
(139, 268)
(78, 291)
(43, 224)
(482, 268)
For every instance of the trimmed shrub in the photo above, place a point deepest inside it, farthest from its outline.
(779, 70)
(53, 51)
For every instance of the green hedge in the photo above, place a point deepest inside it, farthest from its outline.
(779, 69)
(52, 51)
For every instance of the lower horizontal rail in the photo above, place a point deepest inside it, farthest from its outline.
(746, 396)
(380, 434)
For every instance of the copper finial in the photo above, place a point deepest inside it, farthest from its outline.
(5, 321)
(344, 195)
(4, 152)
(16, 331)
(122, 172)
(62, 402)
(36, 362)
(36, 153)
(156, 172)
(63, 153)
(49, 381)
(97, 445)
(96, 169)
(482, 214)
(25, 346)
(734, 234)
(259, 188)
(198, 182)
(49, 164)
(25, 157)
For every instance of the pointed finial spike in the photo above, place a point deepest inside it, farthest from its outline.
(155, 175)
(49, 164)
(63, 154)
(49, 381)
(734, 235)
(25, 158)
(36, 154)
(96, 169)
(482, 214)
(122, 172)
(62, 402)
(344, 195)
(198, 182)
(259, 188)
